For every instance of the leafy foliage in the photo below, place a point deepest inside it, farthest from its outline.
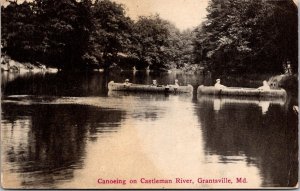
(239, 36)
(111, 32)
(50, 31)
(248, 35)
(151, 40)
(19, 35)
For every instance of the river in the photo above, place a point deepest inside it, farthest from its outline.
(65, 130)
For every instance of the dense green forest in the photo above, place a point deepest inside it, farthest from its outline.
(249, 35)
(237, 36)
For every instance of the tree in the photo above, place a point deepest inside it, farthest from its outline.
(67, 27)
(151, 36)
(50, 31)
(187, 48)
(248, 35)
(20, 38)
(111, 33)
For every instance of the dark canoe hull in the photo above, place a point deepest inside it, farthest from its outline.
(250, 92)
(149, 88)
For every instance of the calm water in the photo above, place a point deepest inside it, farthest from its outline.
(65, 130)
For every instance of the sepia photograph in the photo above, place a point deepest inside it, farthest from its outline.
(149, 94)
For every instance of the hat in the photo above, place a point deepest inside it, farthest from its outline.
(218, 80)
(127, 80)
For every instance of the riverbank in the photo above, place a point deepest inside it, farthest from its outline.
(288, 82)
(10, 65)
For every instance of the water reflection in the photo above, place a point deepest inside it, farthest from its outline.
(48, 141)
(160, 138)
(66, 131)
(264, 106)
(60, 84)
(239, 128)
(82, 84)
(262, 103)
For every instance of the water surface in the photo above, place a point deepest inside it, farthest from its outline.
(66, 130)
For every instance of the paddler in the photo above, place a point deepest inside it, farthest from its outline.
(126, 83)
(218, 84)
(176, 85)
(154, 83)
(265, 86)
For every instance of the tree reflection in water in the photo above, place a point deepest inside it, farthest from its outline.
(267, 138)
(47, 142)
(50, 124)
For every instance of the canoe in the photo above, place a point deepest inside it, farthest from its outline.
(112, 86)
(241, 100)
(150, 96)
(237, 91)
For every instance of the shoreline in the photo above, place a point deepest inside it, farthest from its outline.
(10, 65)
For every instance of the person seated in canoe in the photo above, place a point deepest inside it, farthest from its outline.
(265, 86)
(218, 84)
(176, 84)
(126, 83)
(154, 83)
